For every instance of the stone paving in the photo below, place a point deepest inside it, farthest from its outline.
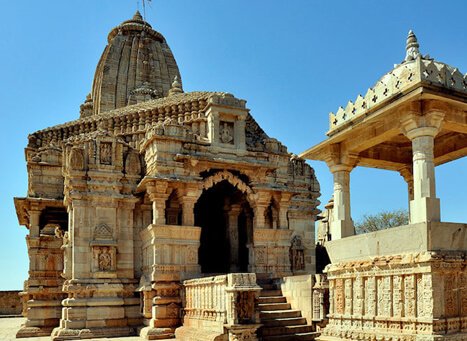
(10, 325)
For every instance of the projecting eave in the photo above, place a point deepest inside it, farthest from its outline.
(24, 205)
(377, 138)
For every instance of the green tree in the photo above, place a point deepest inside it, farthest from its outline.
(381, 221)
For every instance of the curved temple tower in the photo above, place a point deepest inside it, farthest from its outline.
(152, 186)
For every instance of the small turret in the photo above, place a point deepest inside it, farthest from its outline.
(411, 47)
(176, 87)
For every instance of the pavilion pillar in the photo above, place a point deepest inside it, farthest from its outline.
(425, 206)
(421, 130)
(407, 173)
(342, 224)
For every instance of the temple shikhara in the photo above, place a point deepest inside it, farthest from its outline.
(164, 213)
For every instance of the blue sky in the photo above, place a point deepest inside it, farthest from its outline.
(293, 61)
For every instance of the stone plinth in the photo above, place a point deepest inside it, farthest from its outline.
(10, 302)
(405, 283)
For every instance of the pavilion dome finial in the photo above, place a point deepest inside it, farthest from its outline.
(411, 47)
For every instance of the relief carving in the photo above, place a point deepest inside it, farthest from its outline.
(410, 295)
(450, 295)
(105, 151)
(245, 306)
(104, 259)
(296, 253)
(76, 161)
(227, 132)
(339, 296)
(133, 164)
(66, 247)
(348, 296)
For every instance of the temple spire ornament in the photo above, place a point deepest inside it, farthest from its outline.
(176, 87)
(411, 47)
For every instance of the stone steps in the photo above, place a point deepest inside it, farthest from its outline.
(298, 336)
(279, 320)
(287, 330)
(273, 306)
(278, 314)
(288, 321)
(272, 299)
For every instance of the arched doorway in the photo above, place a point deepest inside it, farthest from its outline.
(226, 220)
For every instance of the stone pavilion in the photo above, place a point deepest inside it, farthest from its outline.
(158, 208)
(407, 282)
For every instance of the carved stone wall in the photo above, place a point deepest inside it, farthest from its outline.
(411, 296)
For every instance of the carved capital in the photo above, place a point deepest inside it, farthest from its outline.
(414, 124)
(339, 159)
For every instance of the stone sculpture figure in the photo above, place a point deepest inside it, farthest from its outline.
(226, 133)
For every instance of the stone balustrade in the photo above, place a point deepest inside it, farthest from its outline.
(220, 308)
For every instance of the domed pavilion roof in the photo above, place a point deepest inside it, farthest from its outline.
(137, 65)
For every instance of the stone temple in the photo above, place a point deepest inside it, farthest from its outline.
(160, 209)
(163, 213)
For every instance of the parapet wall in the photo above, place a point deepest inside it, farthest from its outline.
(398, 240)
(10, 302)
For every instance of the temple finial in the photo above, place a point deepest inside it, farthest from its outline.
(137, 16)
(411, 47)
(176, 87)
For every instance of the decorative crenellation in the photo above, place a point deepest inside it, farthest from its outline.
(399, 296)
(419, 71)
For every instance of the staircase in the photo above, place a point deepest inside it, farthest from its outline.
(279, 320)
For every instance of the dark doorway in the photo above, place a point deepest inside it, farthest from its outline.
(226, 221)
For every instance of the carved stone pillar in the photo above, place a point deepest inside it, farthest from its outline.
(421, 130)
(189, 199)
(342, 225)
(283, 209)
(34, 228)
(233, 236)
(425, 205)
(158, 195)
(258, 219)
(407, 173)
(165, 312)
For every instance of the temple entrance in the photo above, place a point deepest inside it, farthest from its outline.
(226, 220)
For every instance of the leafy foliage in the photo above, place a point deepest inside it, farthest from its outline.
(381, 221)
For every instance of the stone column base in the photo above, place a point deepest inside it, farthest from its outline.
(76, 334)
(243, 332)
(34, 331)
(152, 333)
(42, 317)
(199, 334)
